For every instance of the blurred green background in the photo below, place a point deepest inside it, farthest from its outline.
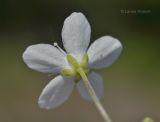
(132, 84)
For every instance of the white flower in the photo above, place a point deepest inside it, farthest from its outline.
(52, 59)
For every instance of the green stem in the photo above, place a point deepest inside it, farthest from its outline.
(94, 96)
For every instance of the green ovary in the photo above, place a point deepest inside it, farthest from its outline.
(75, 66)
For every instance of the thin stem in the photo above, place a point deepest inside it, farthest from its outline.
(94, 96)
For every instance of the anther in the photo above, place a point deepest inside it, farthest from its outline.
(55, 44)
(60, 49)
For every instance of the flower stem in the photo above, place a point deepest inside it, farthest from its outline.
(94, 96)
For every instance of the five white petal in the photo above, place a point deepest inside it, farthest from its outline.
(44, 58)
(103, 52)
(76, 37)
(76, 34)
(56, 92)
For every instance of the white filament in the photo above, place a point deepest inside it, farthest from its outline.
(59, 48)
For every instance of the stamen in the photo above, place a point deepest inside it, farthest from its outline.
(55, 44)
(60, 49)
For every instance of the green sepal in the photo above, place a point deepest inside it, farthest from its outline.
(84, 61)
(68, 72)
(77, 68)
(72, 61)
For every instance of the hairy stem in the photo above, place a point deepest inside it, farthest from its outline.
(94, 96)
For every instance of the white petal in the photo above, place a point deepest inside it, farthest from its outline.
(97, 84)
(103, 52)
(56, 92)
(76, 33)
(44, 58)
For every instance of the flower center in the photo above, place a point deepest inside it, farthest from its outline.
(75, 67)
